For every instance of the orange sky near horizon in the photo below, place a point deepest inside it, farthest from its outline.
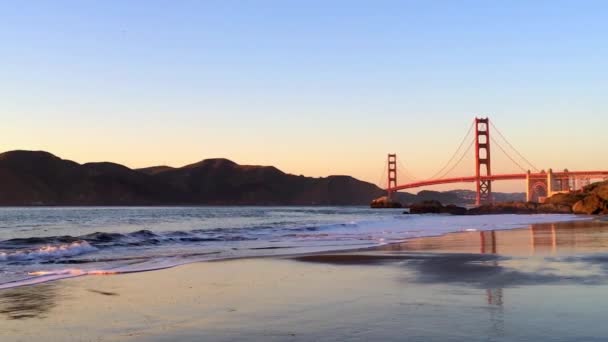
(314, 88)
(317, 156)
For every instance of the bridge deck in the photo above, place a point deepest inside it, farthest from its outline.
(511, 176)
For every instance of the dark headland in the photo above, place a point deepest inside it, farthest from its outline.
(41, 178)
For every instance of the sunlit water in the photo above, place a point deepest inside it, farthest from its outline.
(41, 244)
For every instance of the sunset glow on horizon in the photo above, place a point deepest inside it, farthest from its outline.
(312, 88)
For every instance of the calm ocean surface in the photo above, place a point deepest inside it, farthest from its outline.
(42, 244)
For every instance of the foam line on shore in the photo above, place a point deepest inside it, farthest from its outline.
(40, 276)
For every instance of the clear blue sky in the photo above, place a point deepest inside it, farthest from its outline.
(313, 87)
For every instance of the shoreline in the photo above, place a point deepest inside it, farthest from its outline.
(389, 292)
(78, 273)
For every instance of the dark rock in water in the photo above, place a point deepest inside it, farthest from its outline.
(455, 210)
(457, 197)
(520, 208)
(426, 207)
(384, 202)
(504, 208)
(591, 200)
(435, 207)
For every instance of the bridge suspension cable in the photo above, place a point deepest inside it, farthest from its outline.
(464, 154)
(401, 169)
(507, 154)
(513, 148)
(382, 180)
(464, 139)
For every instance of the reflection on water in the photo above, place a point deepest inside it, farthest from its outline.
(488, 241)
(28, 301)
(542, 254)
(541, 239)
(488, 246)
(494, 296)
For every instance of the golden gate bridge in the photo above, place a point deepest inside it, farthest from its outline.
(539, 183)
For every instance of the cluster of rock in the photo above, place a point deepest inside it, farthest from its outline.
(435, 207)
(385, 202)
(520, 208)
(591, 200)
(405, 199)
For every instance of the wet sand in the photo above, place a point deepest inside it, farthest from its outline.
(547, 282)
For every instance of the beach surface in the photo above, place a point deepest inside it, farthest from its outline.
(547, 282)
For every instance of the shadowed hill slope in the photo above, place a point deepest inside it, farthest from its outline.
(221, 181)
(40, 178)
(152, 170)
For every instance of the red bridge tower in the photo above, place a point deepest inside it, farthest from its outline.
(482, 161)
(392, 174)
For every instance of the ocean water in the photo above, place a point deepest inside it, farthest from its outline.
(43, 244)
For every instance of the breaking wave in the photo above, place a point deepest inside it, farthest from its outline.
(110, 241)
(49, 252)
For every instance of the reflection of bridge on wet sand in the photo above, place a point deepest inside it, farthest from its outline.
(537, 239)
(543, 239)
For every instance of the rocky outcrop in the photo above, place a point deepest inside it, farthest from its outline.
(565, 198)
(504, 208)
(435, 207)
(455, 197)
(519, 208)
(591, 200)
(592, 204)
(599, 188)
(384, 202)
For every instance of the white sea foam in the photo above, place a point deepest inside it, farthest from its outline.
(301, 233)
(49, 252)
(409, 226)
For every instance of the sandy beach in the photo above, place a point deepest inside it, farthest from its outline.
(543, 283)
(429, 171)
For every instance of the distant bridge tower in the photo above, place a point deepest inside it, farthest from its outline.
(392, 174)
(482, 161)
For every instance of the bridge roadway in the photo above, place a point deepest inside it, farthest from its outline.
(509, 176)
